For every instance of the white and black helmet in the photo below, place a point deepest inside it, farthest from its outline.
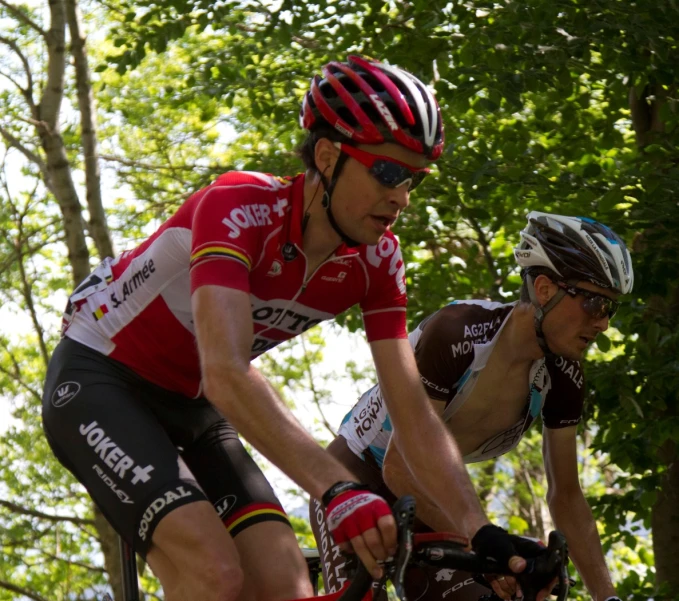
(576, 248)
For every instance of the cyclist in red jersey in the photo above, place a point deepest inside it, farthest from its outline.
(490, 369)
(152, 381)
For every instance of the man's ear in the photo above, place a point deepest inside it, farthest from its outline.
(325, 155)
(545, 289)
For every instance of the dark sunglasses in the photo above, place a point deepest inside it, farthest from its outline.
(389, 172)
(595, 305)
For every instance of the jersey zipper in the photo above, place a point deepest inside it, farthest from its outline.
(299, 292)
(330, 259)
(305, 281)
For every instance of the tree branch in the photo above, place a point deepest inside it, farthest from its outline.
(44, 516)
(21, 591)
(28, 299)
(535, 501)
(114, 9)
(31, 156)
(26, 288)
(148, 166)
(74, 563)
(17, 376)
(24, 18)
(28, 542)
(305, 43)
(30, 249)
(27, 67)
(488, 256)
(14, 83)
(93, 535)
(312, 387)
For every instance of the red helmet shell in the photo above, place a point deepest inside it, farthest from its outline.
(372, 103)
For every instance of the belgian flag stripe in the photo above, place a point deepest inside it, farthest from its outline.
(220, 251)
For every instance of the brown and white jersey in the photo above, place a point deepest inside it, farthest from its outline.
(452, 347)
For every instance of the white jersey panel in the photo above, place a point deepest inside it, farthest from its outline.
(368, 423)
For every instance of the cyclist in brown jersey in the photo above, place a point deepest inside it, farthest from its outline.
(490, 369)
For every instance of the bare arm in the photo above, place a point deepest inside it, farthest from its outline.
(427, 447)
(432, 466)
(224, 331)
(401, 482)
(571, 513)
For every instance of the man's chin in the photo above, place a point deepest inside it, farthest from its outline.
(573, 355)
(570, 353)
(368, 238)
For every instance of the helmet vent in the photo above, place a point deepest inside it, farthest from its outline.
(327, 90)
(371, 111)
(373, 82)
(415, 130)
(349, 84)
(347, 116)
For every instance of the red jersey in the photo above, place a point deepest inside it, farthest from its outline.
(244, 231)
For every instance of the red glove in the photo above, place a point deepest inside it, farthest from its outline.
(352, 512)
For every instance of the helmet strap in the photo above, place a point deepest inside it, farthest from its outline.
(307, 214)
(541, 313)
(326, 200)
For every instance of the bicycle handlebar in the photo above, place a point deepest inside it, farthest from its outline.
(539, 572)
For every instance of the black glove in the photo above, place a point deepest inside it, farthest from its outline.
(496, 543)
(528, 548)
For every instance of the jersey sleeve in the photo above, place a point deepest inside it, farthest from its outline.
(439, 365)
(384, 305)
(221, 252)
(565, 399)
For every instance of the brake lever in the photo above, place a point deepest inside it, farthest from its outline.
(540, 571)
(558, 549)
(564, 580)
(404, 513)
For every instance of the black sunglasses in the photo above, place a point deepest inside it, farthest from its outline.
(595, 305)
(389, 172)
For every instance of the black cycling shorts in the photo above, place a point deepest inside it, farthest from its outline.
(142, 451)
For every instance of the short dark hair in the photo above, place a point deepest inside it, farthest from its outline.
(534, 272)
(306, 150)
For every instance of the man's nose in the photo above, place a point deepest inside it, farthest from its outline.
(602, 323)
(400, 196)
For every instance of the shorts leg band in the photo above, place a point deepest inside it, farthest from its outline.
(163, 501)
(255, 514)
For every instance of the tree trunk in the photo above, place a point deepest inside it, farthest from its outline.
(98, 226)
(648, 125)
(665, 523)
(531, 508)
(109, 547)
(61, 185)
(69, 203)
(645, 110)
(484, 487)
(47, 125)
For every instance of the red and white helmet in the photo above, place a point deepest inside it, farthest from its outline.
(372, 103)
(576, 248)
